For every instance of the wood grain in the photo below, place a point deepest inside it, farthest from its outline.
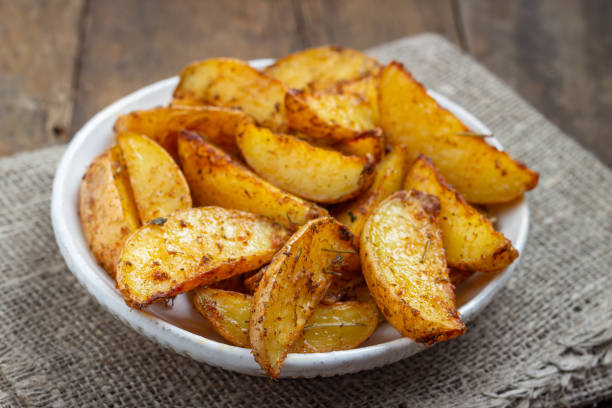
(556, 54)
(363, 23)
(39, 50)
(129, 44)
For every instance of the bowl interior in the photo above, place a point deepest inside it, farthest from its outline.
(180, 326)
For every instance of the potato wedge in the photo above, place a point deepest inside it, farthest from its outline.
(292, 285)
(390, 173)
(340, 326)
(157, 182)
(370, 143)
(329, 116)
(404, 266)
(106, 207)
(366, 86)
(193, 247)
(216, 179)
(470, 241)
(478, 171)
(164, 124)
(322, 67)
(314, 173)
(228, 312)
(234, 84)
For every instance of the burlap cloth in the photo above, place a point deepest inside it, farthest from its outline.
(545, 339)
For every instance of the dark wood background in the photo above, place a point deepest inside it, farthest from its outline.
(63, 60)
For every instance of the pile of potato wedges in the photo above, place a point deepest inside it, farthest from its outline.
(300, 205)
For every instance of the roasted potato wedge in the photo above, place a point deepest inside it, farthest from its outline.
(367, 87)
(329, 116)
(390, 173)
(193, 247)
(234, 84)
(470, 241)
(341, 326)
(157, 182)
(228, 312)
(370, 143)
(216, 179)
(478, 171)
(164, 124)
(292, 285)
(106, 207)
(322, 67)
(403, 262)
(314, 173)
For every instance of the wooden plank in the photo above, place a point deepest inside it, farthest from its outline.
(364, 23)
(129, 44)
(556, 54)
(39, 48)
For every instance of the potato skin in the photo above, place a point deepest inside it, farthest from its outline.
(234, 84)
(310, 172)
(157, 182)
(322, 67)
(470, 241)
(193, 247)
(481, 173)
(164, 124)
(106, 225)
(389, 176)
(329, 116)
(292, 285)
(216, 179)
(404, 266)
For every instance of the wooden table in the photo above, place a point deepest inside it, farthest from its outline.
(63, 60)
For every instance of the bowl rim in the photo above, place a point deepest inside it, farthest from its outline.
(196, 346)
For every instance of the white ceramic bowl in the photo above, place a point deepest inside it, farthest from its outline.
(181, 328)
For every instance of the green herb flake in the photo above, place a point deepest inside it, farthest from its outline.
(159, 221)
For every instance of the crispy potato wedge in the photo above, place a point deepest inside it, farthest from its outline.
(329, 116)
(340, 326)
(228, 312)
(322, 67)
(404, 266)
(366, 86)
(370, 143)
(314, 173)
(164, 124)
(157, 182)
(481, 173)
(292, 285)
(106, 207)
(390, 173)
(470, 241)
(234, 84)
(216, 179)
(193, 247)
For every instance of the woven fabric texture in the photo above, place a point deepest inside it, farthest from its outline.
(546, 339)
